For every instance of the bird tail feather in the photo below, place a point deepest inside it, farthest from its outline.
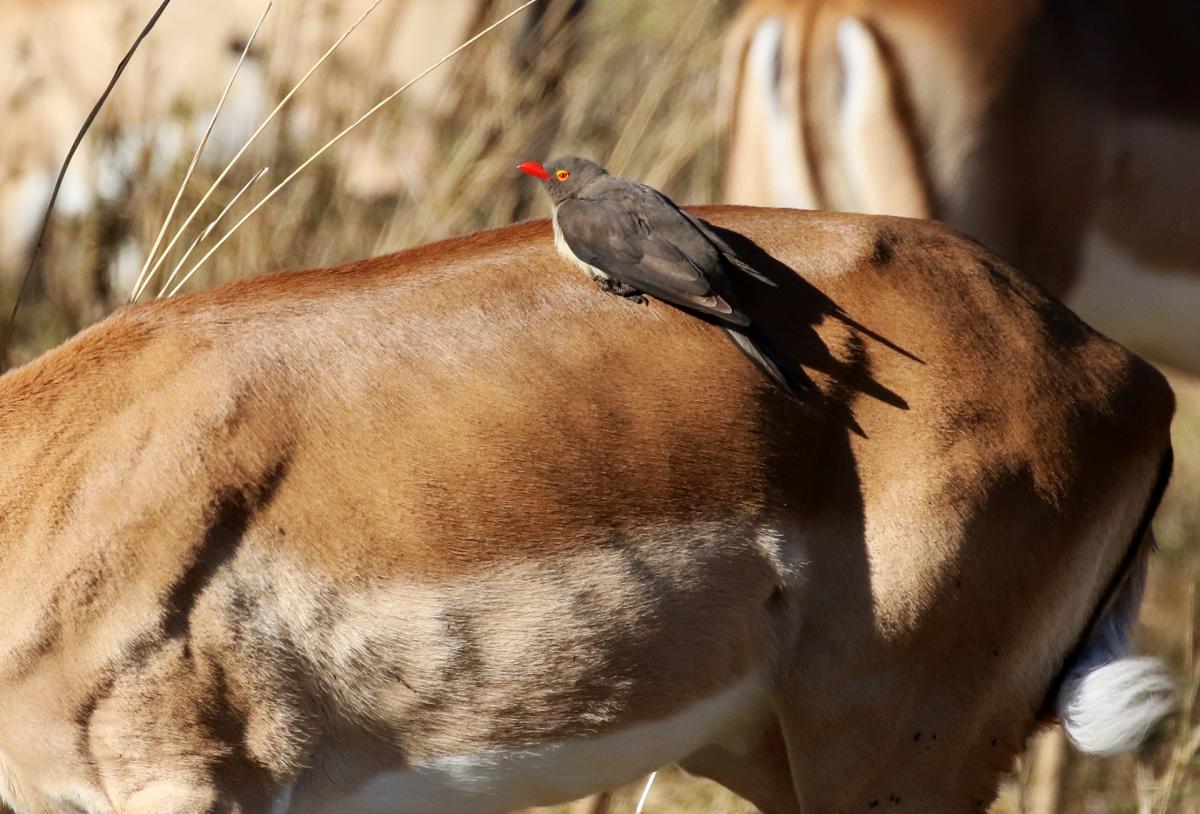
(728, 253)
(748, 269)
(767, 359)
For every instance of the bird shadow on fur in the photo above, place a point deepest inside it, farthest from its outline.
(787, 312)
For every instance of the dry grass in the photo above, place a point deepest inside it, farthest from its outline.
(639, 96)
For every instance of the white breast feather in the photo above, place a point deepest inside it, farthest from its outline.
(560, 243)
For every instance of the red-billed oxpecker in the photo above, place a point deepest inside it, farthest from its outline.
(633, 240)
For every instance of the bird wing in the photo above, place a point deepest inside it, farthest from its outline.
(727, 251)
(653, 247)
(697, 241)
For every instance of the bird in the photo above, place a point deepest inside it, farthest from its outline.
(633, 241)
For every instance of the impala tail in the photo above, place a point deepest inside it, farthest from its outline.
(1109, 698)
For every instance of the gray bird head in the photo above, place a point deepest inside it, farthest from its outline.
(564, 178)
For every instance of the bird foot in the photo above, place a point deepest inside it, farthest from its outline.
(630, 293)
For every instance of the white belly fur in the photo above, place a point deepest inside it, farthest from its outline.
(560, 243)
(498, 780)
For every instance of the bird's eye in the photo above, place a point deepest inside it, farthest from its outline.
(562, 175)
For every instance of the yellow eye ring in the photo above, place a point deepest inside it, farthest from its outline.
(562, 175)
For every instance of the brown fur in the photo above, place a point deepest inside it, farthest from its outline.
(328, 523)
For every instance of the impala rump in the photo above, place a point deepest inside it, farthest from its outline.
(1107, 699)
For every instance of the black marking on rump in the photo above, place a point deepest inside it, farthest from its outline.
(884, 248)
(234, 511)
(233, 515)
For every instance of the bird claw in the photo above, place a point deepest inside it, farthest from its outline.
(625, 290)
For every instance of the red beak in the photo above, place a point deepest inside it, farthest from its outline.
(535, 169)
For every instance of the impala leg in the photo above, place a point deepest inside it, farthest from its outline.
(872, 130)
(1049, 762)
(760, 774)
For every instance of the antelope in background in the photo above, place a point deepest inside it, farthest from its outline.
(50, 50)
(450, 531)
(1063, 134)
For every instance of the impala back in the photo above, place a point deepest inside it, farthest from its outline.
(453, 530)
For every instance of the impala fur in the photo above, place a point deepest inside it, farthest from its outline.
(451, 531)
(1063, 135)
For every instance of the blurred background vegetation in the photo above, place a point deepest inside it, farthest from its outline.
(632, 84)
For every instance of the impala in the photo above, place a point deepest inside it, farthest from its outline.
(451, 531)
(1063, 135)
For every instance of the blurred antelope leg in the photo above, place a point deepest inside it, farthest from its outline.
(1049, 764)
(759, 773)
(878, 151)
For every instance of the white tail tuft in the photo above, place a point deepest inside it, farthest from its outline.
(1111, 708)
(1110, 699)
